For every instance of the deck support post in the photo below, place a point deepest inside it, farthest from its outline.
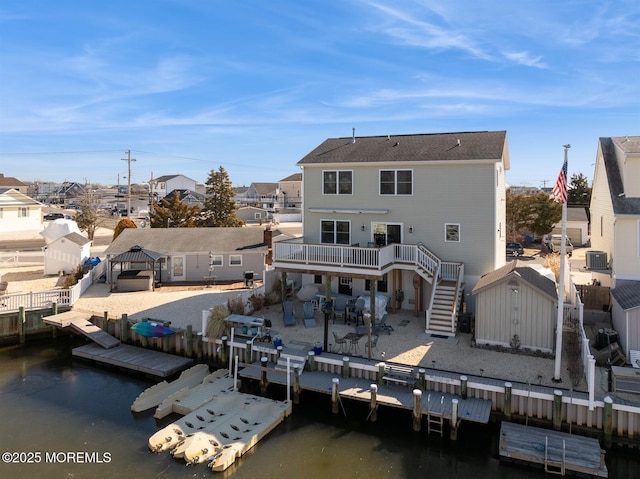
(248, 354)
(311, 360)
(263, 376)
(417, 410)
(189, 340)
(54, 308)
(422, 382)
(607, 421)
(506, 408)
(557, 410)
(223, 350)
(22, 324)
(463, 387)
(143, 339)
(335, 406)
(373, 406)
(124, 322)
(296, 384)
(345, 367)
(454, 420)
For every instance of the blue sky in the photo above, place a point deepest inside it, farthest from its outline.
(254, 85)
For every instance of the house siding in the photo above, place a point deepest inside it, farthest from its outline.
(627, 325)
(197, 267)
(602, 217)
(626, 262)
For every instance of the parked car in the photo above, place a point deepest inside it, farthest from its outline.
(514, 249)
(554, 243)
(53, 216)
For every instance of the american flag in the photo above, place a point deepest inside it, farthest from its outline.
(560, 189)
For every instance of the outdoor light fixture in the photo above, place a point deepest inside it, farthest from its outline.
(363, 227)
(411, 229)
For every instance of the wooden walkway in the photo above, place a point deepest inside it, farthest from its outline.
(433, 402)
(134, 358)
(79, 323)
(557, 452)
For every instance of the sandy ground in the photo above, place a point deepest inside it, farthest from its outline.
(407, 344)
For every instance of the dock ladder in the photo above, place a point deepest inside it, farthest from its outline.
(435, 420)
(551, 466)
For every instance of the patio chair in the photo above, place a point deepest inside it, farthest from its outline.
(357, 312)
(339, 342)
(289, 317)
(309, 315)
(340, 309)
(382, 325)
(373, 345)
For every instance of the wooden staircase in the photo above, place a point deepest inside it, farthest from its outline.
(442, 320)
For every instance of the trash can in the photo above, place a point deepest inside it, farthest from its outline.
(248, 279)
(464, 322)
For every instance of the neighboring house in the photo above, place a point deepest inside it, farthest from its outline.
(290, 189)
(66, 253)
(19, 212)
(615, 207)
(68, 191)
(194, 254)
(163, 185)
(188, 197)
(516, 307)
(252, 214)
(423, 214)
(11, 183)
(262, 195)
(625, 313)
(577, 226)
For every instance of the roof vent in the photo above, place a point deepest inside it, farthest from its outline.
(353, 138)
(458, 141)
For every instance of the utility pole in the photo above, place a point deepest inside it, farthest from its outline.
(128, 159)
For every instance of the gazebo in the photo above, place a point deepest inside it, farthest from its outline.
(131, 279)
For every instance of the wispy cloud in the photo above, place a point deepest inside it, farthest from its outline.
(524, 58)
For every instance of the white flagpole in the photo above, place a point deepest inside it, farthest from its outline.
(561, 291)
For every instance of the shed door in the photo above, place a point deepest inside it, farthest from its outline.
(178, 272)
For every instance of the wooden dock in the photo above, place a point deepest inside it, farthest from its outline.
(79, 323)
(134, 358)
(558, 452)
(433, 402)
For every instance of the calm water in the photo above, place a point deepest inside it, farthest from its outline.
(68, 411)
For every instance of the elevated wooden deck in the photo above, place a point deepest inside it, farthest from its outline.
(79, 323)
(558, 452)
(133, 358)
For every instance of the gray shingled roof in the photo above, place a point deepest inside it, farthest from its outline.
(627, 295)
(485, 145)
(137, 254)
(190, 240)
(524, 273)
(577, 213)
(294, 177)
(621, 204)
(77, 239)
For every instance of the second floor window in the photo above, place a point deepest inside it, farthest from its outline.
(23, 212)
(337, 182)
(335, 232)
(396, 182)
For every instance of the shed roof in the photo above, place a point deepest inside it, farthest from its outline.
(483, 145)
(627, 295)
(524, 273)
(190, 240)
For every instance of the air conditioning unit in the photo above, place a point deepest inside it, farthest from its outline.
(596, 259)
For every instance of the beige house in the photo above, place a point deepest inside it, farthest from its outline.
(615, 208)
(9, 182)
(625, 311)
(516, 307)
(417, 218)
(290, 189)
(18, 212)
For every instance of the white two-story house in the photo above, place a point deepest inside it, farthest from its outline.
(420, 215)
(615, 206)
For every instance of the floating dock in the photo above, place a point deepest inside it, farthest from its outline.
(222, 430)
(558, 452)
(157, 393)
(134, 358)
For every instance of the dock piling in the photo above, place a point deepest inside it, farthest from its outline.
(463, 386)
(556, 418)
(454, 420)
(607, 421)
(335, 407)
(373, 406)
(506, 408)
(417, 409)
(296, 384)
(345, 367)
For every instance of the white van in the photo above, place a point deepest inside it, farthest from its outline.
(554, 242)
